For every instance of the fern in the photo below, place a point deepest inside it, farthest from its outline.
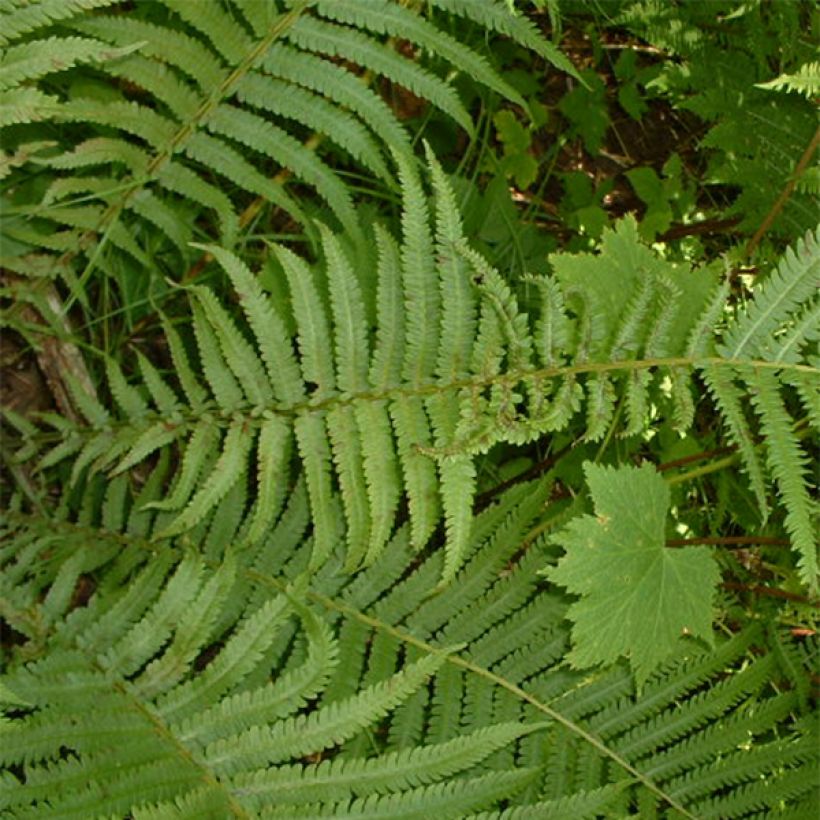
(200, 111)
(290, 559)
(805, 81)
(723, 75)
(436, 390)
(216, 686)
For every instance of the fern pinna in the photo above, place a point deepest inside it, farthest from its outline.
(213, 683)
(392, 398)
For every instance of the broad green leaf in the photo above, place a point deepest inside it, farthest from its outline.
(637, 597)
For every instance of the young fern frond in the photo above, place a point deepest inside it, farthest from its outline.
(400, 402)
(805, 81)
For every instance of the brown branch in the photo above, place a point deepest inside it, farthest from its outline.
(739, 541)
(706, 226)
(784, 194)
(682, 462)
(759, 589)
(543, 466)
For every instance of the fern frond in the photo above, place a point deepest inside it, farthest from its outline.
(453, 366)
(310, 109)
(784, 291)
(788, 466)
(215, 93)
(384, 17)
(31, 61)
(199, 685)
(235, 730)
(27, 17)
(805, 81)
(728, 397)
(451, 798)
(496, 17)
(22, 105)
(587, 804)
(229, 468)
(337, 41)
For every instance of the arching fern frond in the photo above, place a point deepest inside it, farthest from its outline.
(203, 110)
(133, 656)
(216, 684)
(777, 327)
(382, 405)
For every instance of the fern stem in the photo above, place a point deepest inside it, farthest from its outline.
(180, 749)
(706, 469)
(508, 379)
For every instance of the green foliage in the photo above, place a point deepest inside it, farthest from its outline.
(517, 161)
(725, 55)
(203, 108)
(233, 684)
(665, 197)
(465, 370)
(805, 81)
(584, 108)
(363, 495)
(637, 597)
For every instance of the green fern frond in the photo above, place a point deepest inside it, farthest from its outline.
(495, 16)
(588, 804)
(213, 94)
(23, 63)
(788, 466)
(189, 677)
(728, 396)
(793, 284)
(454, 366)
(21, 17)
(383, 17)
(139, 671)
(286, 545)
(805, 81)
